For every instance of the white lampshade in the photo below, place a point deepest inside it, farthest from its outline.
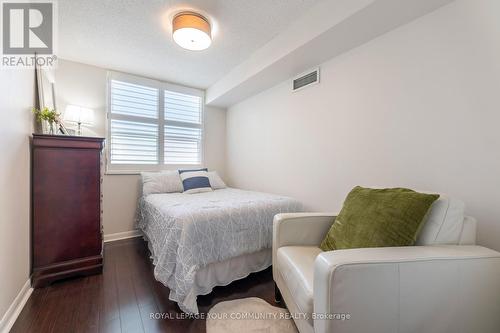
(79, 115)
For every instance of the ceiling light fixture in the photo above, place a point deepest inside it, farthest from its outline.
(191, 31)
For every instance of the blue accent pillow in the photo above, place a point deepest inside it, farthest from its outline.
(195, 181)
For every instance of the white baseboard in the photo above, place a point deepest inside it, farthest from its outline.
(9, 318)
(122, 235)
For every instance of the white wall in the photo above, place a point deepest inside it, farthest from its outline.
(417, 107)
(85, 85)
(16, 100)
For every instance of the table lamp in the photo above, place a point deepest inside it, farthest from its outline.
(80, 116)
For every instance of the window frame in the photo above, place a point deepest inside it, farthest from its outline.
(132, 169)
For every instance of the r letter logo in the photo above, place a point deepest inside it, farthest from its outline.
(27, 28)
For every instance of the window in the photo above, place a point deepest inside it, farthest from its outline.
(182, 128)
(134, 123)
(152, 124)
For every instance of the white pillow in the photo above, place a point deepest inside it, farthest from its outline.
(215, 181)
(161, 182)
(195, 181)
(443, 222)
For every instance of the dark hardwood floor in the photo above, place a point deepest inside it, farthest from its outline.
(123, 298)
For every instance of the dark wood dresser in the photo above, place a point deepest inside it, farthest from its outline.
(66, 231)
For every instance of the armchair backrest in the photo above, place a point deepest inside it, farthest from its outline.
(444, 223)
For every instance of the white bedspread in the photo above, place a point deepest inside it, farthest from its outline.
(189, 231)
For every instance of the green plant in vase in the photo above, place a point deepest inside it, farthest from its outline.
(47, 115)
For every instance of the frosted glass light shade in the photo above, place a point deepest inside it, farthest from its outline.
(191, 31)
(79, 115)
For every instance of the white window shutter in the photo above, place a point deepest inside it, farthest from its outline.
(134, 100)
(183, 130)
(152, 124)
(134, 124)
(133, 142)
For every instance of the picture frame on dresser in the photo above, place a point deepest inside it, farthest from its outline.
(46, 91)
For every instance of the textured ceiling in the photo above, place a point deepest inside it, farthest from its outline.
(134, 36)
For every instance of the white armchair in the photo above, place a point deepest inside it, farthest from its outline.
(444, 284)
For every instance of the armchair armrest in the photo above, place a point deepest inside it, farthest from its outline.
(300, 229)
(399, 289)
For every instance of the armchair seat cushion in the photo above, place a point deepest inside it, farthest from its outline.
(296, 266)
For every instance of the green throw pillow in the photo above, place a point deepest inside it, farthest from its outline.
(378, 218)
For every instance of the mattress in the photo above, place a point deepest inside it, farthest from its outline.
(187, 232)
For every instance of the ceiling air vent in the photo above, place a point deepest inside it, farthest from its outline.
(305, 80)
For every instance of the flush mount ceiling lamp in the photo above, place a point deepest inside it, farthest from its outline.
(191, 31)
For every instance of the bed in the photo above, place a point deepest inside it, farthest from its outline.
(199, 241)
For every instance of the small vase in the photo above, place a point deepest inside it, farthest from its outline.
(48, 128)
(45, 127)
